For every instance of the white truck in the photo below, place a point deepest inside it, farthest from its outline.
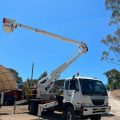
(86, 97)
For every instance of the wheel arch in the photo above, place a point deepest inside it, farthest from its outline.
(68, 104)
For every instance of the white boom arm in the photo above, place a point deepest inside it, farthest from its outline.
(45, 87)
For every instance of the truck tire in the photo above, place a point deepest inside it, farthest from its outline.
(33, 108)
(69, 114)
(96, 117)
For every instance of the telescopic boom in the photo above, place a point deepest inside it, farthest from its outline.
(9, 25)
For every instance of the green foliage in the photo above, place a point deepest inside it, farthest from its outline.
(16, 75)
(29, 85)
(25, 89)
(114, 6)
(113, 77)
(112, 42)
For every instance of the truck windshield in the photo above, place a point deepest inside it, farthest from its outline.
(92, 87)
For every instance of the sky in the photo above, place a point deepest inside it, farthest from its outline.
(76, 19)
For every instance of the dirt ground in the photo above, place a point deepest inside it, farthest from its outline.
(7, 113)
(116, 94)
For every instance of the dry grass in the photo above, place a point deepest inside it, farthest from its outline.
(116, 94)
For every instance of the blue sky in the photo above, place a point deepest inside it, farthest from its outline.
(76, 19)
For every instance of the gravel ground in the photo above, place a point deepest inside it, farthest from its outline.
(7, 113)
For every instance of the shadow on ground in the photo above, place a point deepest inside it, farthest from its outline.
(53, 116)
(56, 116)
(108, 115)
(4, 114)
(48, 116)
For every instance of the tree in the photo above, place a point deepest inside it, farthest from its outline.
(112, 42)
(112, 54)
(29, 85)
(113, 77)
(16, 75)
(114, 6)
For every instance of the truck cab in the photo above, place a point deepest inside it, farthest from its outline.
(85, 96)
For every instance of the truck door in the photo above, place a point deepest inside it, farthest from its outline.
(71, 91)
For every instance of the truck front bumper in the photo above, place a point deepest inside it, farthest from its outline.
(96, 110)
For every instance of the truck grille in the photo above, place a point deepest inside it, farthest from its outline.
(98, 102)
(98, 110)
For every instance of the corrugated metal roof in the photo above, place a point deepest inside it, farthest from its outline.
(7, 80)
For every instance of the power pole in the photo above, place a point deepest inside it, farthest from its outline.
(32, 70)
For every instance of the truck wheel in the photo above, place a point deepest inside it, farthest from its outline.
(69, 114)
(96, 117)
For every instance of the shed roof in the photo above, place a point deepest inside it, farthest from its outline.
(7, 80)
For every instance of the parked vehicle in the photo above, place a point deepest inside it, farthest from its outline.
(86, 97)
